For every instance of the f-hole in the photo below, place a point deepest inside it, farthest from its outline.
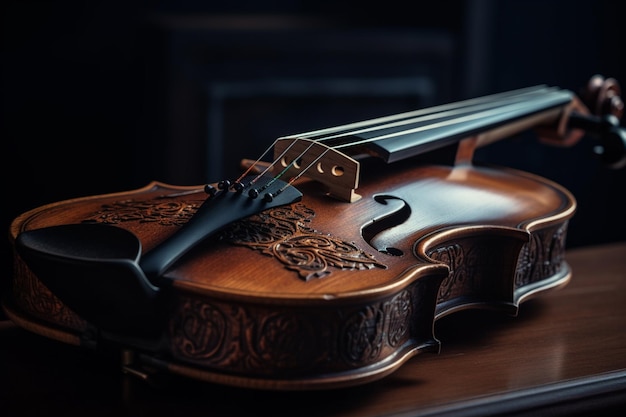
(399, 212)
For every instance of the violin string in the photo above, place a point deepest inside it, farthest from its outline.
(412, 114)
(501, 110)
(281, 173)
(255, 163)
(427, 117)
(270, 166)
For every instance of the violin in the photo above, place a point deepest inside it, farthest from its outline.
(323, 266)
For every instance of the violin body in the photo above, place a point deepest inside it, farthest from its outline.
(320, 293)
(318, 287)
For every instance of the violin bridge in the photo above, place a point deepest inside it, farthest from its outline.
(309, 158)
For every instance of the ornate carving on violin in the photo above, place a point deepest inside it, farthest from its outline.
(542, 257)
(169, 213)
(282, 233)
(32, 296)
(265, 282)
(296, 342)
(479, 264)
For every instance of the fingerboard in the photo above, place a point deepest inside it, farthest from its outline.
(405, 135)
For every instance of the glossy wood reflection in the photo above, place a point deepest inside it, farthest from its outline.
(489, 363)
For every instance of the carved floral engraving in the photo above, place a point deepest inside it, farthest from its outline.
(32, 296)
(294, 340)
(542, 256)
(242, 338)
(539, 259)
(454, 257)
(281, 232)
(367, 332)
(165, 212)
(475, 268)
(235, 337)
(284, 233)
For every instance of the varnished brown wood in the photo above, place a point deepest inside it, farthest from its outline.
(353, 313)
(565, 354)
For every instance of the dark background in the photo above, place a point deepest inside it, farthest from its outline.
(106, 96)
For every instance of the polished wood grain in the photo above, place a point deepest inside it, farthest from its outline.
(565, 354)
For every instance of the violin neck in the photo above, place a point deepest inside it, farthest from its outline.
(405, 135)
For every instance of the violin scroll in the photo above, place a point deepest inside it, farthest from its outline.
(598, 113)
(602, 96)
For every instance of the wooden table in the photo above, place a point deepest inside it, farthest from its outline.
(565, 354)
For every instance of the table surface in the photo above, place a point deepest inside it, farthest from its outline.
(565, 353)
